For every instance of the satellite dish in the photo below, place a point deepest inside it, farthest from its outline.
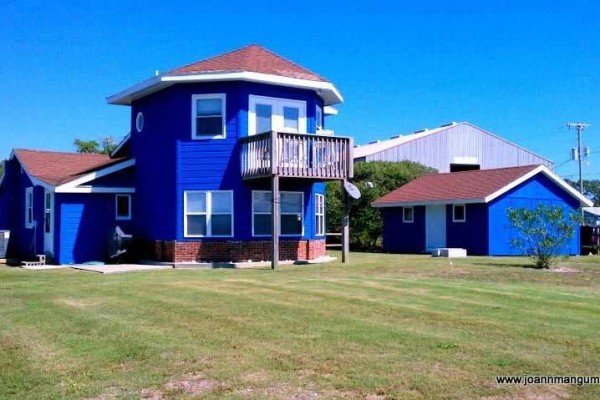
(352, 190)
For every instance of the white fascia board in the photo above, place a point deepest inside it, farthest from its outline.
(69, 186)
(34, 181)
(583, 201)
(120, 145)
(427, 203)
(326, 90)
(90, 189)
(329, 110)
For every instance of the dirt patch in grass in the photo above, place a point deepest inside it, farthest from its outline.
(550, 392)
(564, 270)
(193, 384)
(78, 303)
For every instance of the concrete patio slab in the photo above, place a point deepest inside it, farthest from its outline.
(119, 268)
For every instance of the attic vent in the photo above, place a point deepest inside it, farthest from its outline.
(448, 124)
(374, 141)
(396, 137)
(421, 131)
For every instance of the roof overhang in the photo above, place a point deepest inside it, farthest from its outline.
(326, 90)
(583, 201)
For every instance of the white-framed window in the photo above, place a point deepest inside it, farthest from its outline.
(123, 207)
(291, 205)
(408, 214)
(319, 118)
(275, 114)
(208, 213)
(29, 221)
(459, 213)
(208, 116)
(320, 214)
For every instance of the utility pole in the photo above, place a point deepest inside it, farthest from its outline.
(580, 126)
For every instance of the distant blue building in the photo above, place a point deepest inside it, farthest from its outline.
(469, 209)
(192, 181)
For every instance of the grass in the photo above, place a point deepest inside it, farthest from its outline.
(382, 327)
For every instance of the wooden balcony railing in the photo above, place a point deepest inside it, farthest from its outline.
(296, 155)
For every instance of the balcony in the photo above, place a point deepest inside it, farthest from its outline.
(296, 155)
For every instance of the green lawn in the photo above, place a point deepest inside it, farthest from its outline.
(384, 326)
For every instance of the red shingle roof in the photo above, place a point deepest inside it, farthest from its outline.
(56, 168)
(468, 185)
(251, 58)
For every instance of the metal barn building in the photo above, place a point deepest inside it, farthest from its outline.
(451, 148)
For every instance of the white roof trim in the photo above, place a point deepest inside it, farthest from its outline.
(91, 189)
(326, 90)
(329, 110)
(583, 201)
(72, 186)
(120, 145)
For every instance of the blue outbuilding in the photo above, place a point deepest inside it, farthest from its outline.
(469, 209)
(220, 154)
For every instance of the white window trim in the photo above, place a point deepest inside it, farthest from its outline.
(454, 219)
(318, 214)
(29, 205)
(122, 217)
(223, 99)
(208, 213)
(277, 122)
(280, 213)
(406, 220)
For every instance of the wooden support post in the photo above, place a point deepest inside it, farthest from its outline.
(275, 222)
(345, 225)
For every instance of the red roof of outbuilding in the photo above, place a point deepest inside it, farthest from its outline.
(251, 58)
(56, 168)
(455, 186)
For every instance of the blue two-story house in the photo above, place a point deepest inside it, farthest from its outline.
(194, 178)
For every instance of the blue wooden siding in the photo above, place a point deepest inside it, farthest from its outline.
(463, 140)
(25, 242)
(471, 234)
(83, 225)
(538, 189)
(403, 237)
(123, 178)
(169, 162)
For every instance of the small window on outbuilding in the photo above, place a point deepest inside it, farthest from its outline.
(408, 214)
(123, 206)
(29, 222)
(459, 213)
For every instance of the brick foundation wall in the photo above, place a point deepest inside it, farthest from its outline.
(234, 251)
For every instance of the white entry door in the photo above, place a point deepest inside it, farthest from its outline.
(48, 222)
(435, 226)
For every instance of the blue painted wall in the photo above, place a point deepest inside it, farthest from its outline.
(403, 237)
(24, 242)
(471, 234)
(83, 224)
(538, 189)
(169, 162)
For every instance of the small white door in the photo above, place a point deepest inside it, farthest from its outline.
(435, 226)
(48, 223)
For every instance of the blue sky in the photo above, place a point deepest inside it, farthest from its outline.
(520, 69)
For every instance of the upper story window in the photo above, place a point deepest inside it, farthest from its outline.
(275, 114)
(319, 118)
(208, 116)
(29, 222)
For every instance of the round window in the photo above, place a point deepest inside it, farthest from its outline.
(139, 121)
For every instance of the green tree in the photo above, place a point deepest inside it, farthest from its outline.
(1, 168)
(542, 232)
(591, 189)
(106, 146)
(374, 179)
